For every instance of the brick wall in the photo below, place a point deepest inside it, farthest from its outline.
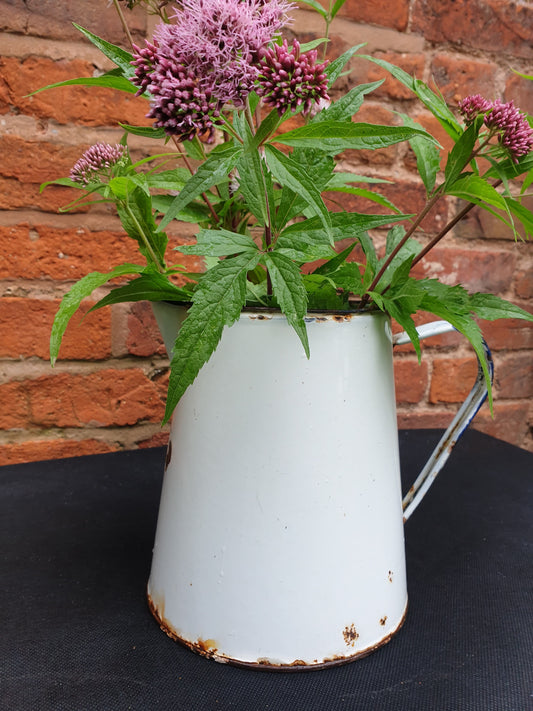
(107, 392)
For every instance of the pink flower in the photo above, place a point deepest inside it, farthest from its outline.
(289, 79)
(207, 58)
(474, 105)
(96, 160)
(515, 133)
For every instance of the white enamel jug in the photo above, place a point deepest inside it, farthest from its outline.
(280, 532)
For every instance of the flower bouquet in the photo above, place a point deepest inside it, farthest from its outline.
(220, 84)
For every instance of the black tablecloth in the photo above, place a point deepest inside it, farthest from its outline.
(76, 633)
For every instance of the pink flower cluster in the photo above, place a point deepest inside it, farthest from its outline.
(96, 159)
(206, 58)
(289, 79)
(514, 132)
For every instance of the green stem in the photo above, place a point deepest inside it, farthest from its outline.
(155, 259)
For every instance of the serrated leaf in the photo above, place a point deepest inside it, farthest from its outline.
(290, 293)
(217, 302)
(333, 137)
(144, 131)
(475, 189)
(289, 173)
(491, 307)
(461, 154)
(76, 294)
(322, 293)
(215, 169)
(219, 243)
(116, 54)
(136, 216)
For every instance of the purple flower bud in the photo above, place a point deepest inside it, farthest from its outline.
(515, 133)
(300, 82)
(473, 106)
(96, 160)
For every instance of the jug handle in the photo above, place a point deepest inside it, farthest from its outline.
(460, 422)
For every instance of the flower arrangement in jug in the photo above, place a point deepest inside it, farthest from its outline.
(220, 80)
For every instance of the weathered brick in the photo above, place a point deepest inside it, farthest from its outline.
(512, 422)
(40, 449)
(479, 223)
(91, 106)
(159, 439)
(15, 410)
(514, 376)
(457, 77)
(54, 20)
(523, 283)
(365, 71)
(520, 90)
(497, 25)
(434, 128)
(378, 12)
(144, 338)
(101, 399)
(507, 334)
(411, 379)
(452, 379)
(42, 251)
(475, 269)
(26, 324)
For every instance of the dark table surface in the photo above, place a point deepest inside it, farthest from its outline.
(76, 633)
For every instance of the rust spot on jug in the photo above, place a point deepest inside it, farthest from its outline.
(389, 576)
(350, 634)
(383, 620)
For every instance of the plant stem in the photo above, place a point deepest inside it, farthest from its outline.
(123, 22)
(191, 171)
(160, 266)
(427, 208)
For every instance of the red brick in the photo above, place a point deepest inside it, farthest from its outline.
(423, 419)
(102, 399)
(433, 127)
(36, 161)
(512, 423)
(411, 379)
(53, 19)
(514, 376)
(480, 224)
(378, 12)
(507, 334)
(42, 251)
(41, 449)
(144, 338)
(497, 25)
(15, 195)
(92, 106)
(452, 379)
(365, 72)
(159, 439)
(26, 324)
(520, 90)
(457, 77)
(524, 284)
(14, 413)
(476, 269)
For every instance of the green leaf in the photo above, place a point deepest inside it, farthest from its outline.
(150, 286)
(336, 67)
(316, 6)
(461, 154)
(524, 215)
(73, 298)
(110, 81)
(491, 307)
(477, 190)
(336, 7)
(333, 137)
(348, 105)
(427, 156)
(289, 173)
(290, 293)
(217, 302)
(219, 243)
(348, 277)
(335, 262)
(195, 212)
(216, 167)
(116, 54)
(253, 177)
(136, 216)
(144, 131)
(432, 101)
(322, 293)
